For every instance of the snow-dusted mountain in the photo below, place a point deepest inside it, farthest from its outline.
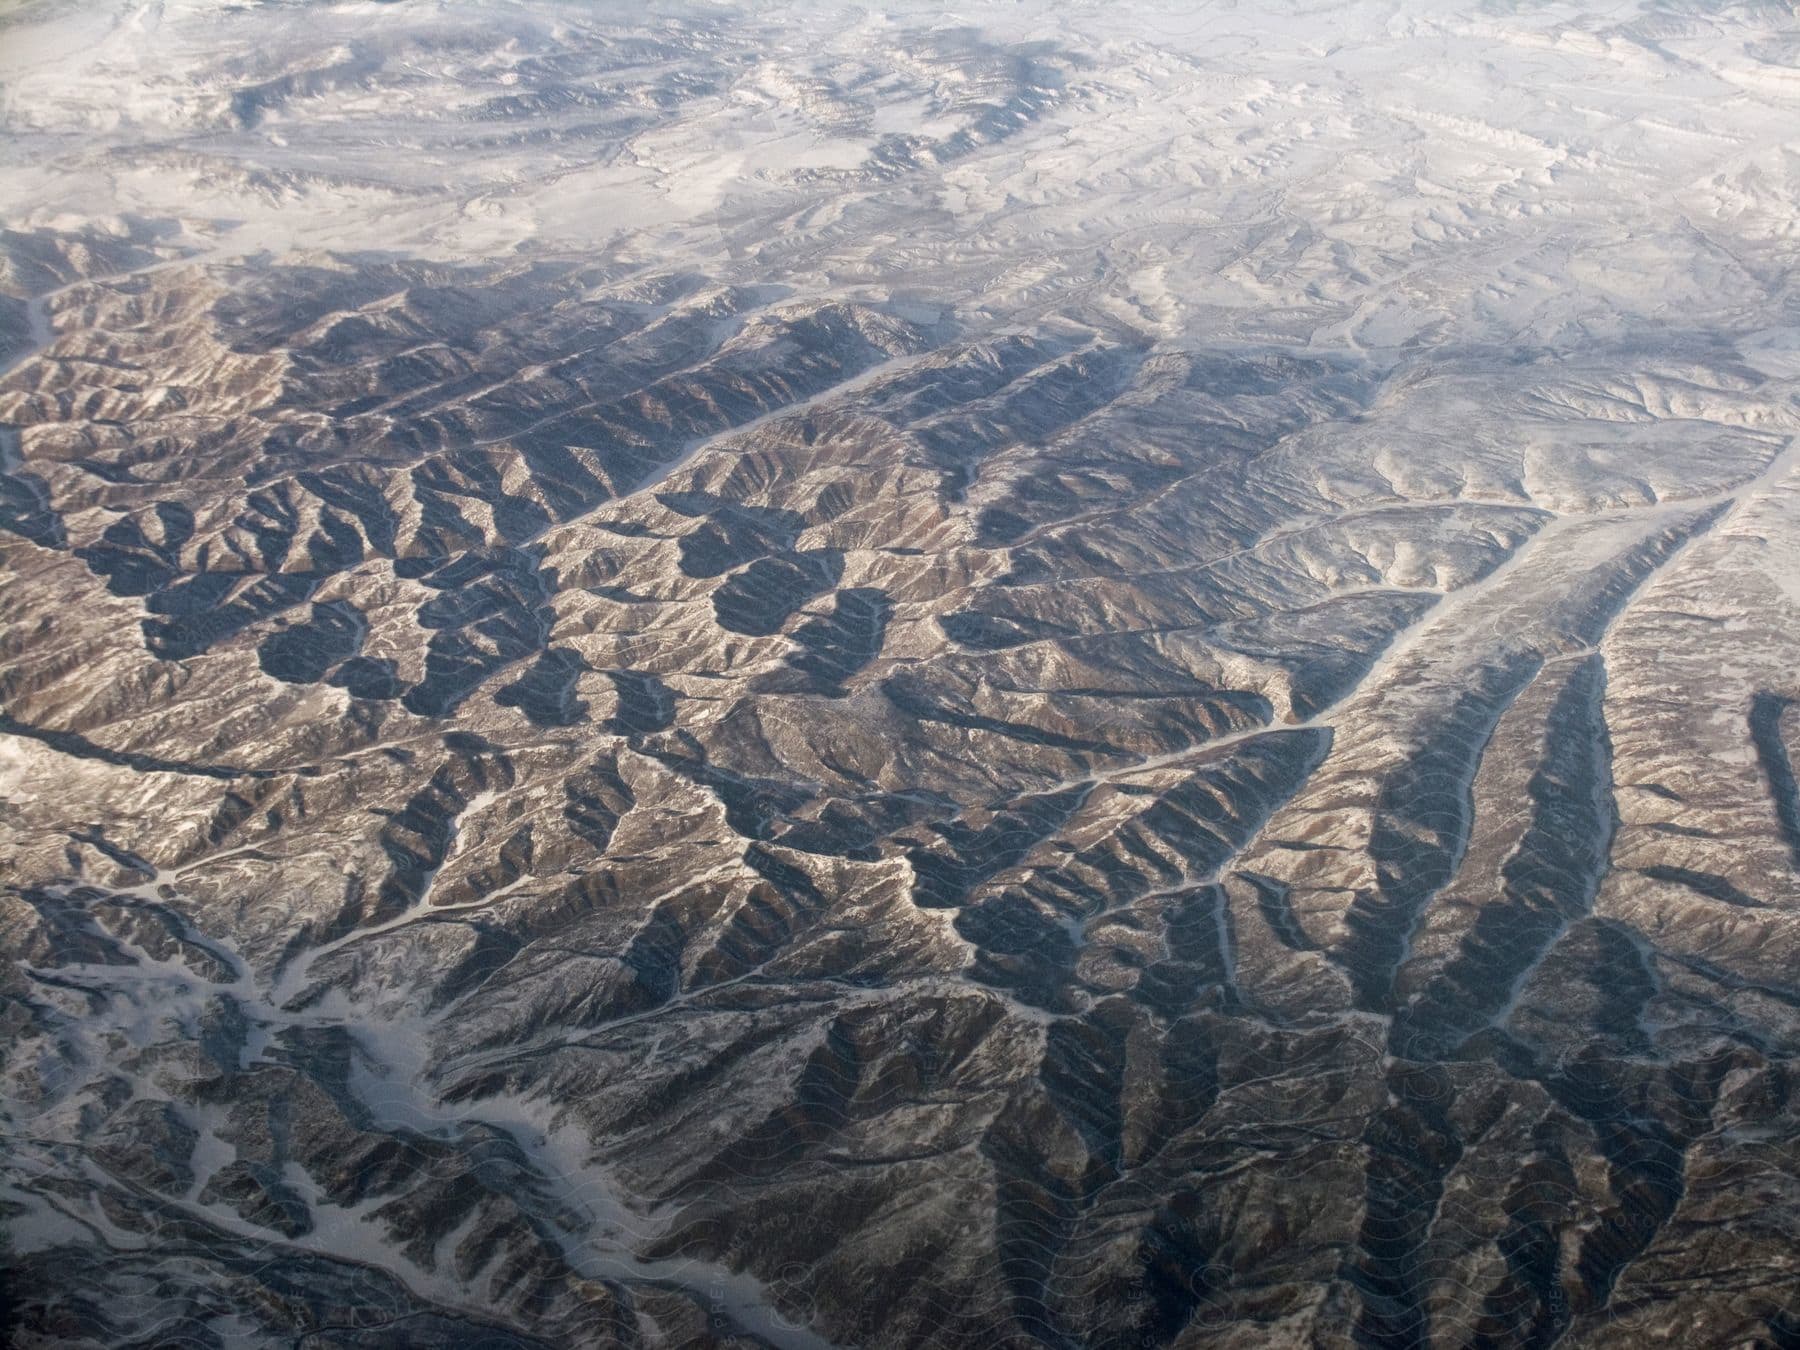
(1017, 674)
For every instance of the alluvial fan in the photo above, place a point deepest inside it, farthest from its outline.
(1035, 674)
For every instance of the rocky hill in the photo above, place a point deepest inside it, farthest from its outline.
(1051, 676)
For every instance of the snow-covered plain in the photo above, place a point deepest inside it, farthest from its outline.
(1341, 175)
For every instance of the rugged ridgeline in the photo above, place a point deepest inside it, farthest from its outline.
(572, 797)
